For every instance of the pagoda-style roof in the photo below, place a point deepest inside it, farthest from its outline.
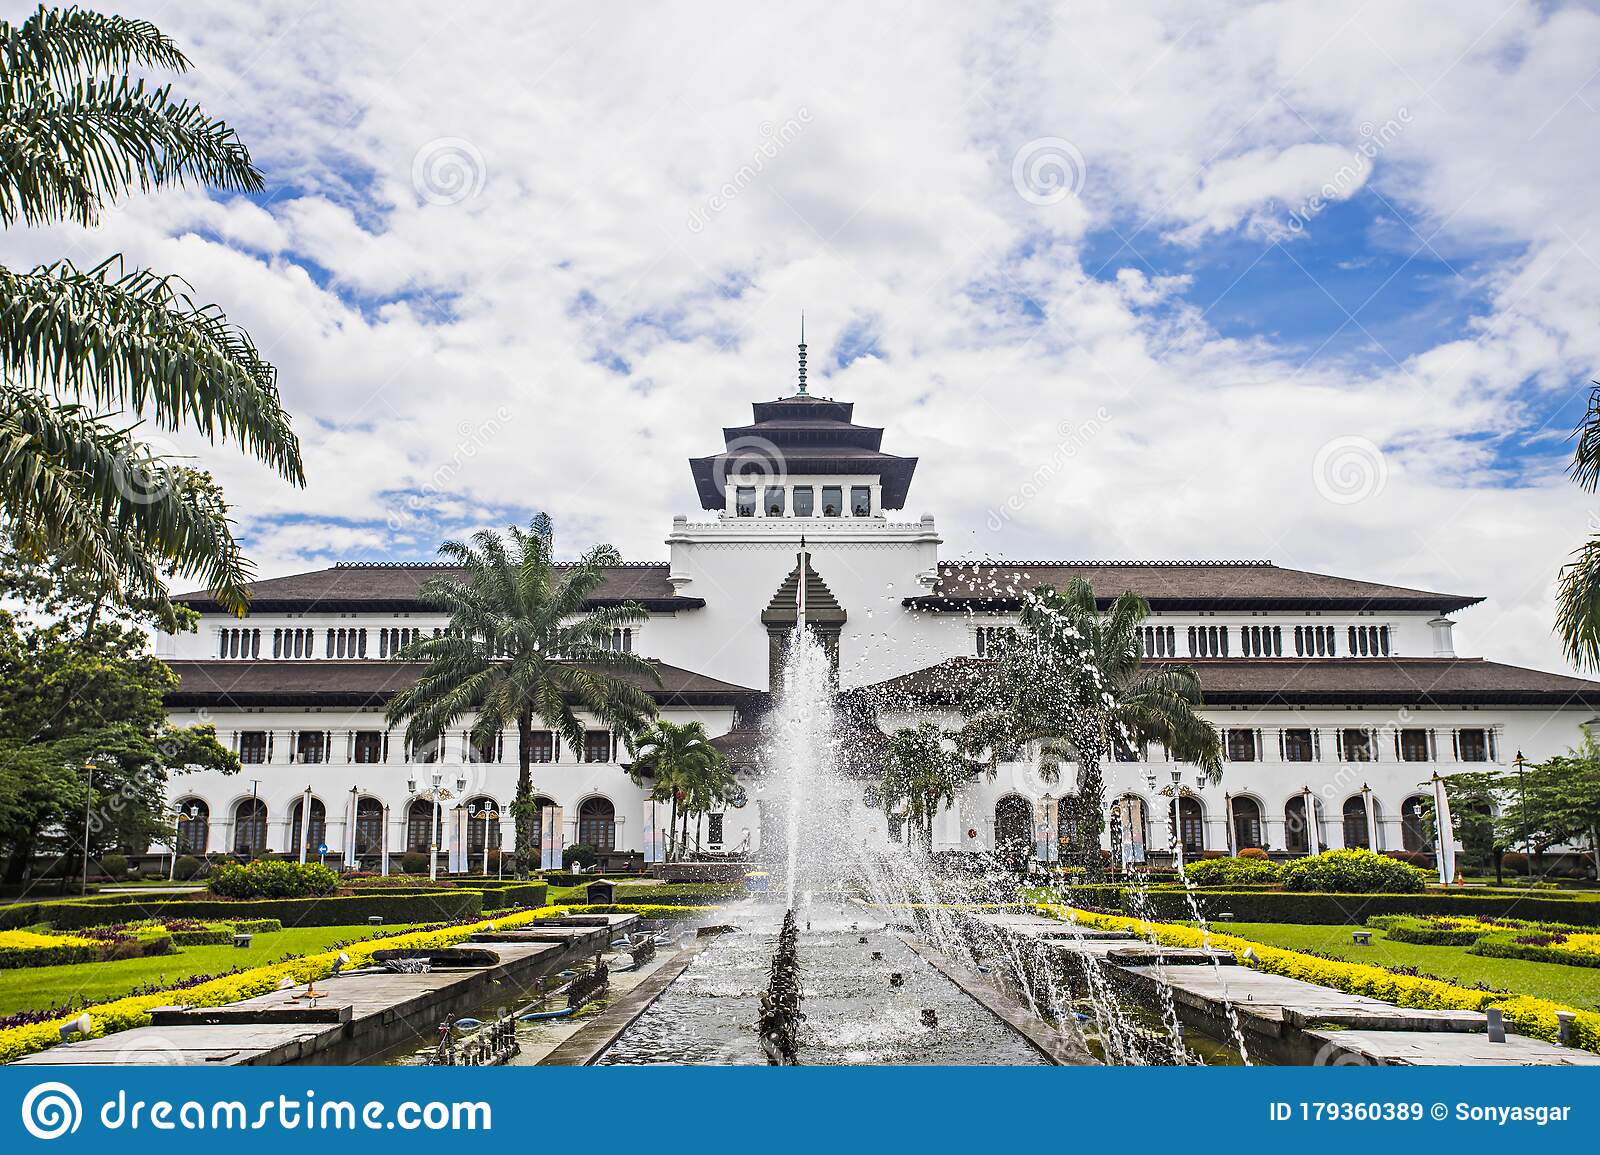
(822, 608)
(808, 436)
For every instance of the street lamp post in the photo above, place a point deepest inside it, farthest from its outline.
(1177, 819)
(486, 816)
(88, 807)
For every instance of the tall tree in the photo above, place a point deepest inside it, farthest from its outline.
(681, 765)
(1554, 802)
(91, 355)
(524, 644)
(1073, 681)
(923, 769)
(80, 689)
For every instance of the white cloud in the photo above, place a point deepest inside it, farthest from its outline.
(402, 326)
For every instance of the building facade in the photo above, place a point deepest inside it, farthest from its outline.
(1338, 699)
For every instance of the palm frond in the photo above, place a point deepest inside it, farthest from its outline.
(63, 44)
(136, 341)
(1578, 606)
(1585, 467)
(74, 486)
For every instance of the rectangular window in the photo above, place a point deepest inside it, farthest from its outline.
(541, 746)
(804, 496)
(597, 746)
(832, 500)
(744, 501)
(1298, 746)
(486, 751)
(772, 501)
(1413, 745)
(252, 747)
(714, 829)
(860, 501)
(1472, 745)
(369, 746)
(1241, 745)
(310, 747)
(1357, 745)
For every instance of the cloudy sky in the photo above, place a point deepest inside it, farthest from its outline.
(1303, 281)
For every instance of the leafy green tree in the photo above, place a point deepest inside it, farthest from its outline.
(523, 646)
(91, 355)
(682, 765)
(77, 692)
(1556, 802)
(923, 769)
(1074, 681)
(1474, 796)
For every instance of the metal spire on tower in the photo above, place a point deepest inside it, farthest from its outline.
(802, 353)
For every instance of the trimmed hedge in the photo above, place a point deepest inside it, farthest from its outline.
(681, 893)
(269, 878)
(1353, 872)
(1505, 945)
(1335, 909)
(1420, 932)
(432, 906)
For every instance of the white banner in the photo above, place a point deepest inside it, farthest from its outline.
(1446, 829)
(550, 838)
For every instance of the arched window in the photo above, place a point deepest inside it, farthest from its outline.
(1191, 825)
(1129, 829)
(194, 826)
(369, 827)
(597, 824)
(1294, 825)
(319, 825)
(1413, 835)
(250, 826)
(1013, 825)
(479, 828)
(1356, 832)
(419, 826)
(1246, 823)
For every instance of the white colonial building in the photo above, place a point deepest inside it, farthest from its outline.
(1336, 697)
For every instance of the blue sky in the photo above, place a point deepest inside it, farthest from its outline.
(537, 259)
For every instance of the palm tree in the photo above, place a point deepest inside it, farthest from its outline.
(81, 346)
(1074, 681)
(924, 769)
(1578, 588)
(522, 646)
(682, 764)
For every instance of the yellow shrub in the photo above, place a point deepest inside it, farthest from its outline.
(1526, 1014)
(134, 1011)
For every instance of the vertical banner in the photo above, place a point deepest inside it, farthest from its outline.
(1446, 829)
(647, 833)
(550, 838)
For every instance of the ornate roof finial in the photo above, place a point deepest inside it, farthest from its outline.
(802, 353)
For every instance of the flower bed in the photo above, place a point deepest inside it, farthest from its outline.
(1566, 947)
(1524, 1013)
(24, 948)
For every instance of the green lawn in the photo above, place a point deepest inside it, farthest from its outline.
(29, 988)
(1576, 986)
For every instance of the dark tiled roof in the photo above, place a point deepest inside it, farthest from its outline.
(1298, 682)
(803, 435)
(370, 684)
(1243, 585)
(392, 587)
